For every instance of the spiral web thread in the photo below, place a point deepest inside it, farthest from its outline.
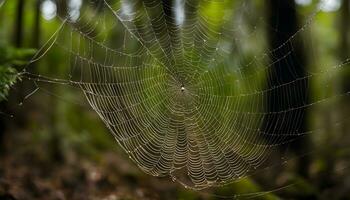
(173, 96)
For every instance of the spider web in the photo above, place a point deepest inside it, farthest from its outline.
(179, 94)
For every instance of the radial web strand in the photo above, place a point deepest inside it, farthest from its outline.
(180, 94)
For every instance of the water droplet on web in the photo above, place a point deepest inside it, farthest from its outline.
(131, 69)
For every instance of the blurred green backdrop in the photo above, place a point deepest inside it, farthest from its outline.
(54, 146)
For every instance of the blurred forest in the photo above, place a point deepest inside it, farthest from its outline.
(54, 146)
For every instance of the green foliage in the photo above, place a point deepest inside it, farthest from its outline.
(9, 58)
(8, 77)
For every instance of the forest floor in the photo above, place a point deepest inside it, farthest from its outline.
(30, 172)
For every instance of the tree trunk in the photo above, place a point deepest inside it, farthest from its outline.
(18, 32)
(282, 25)
(344, 43)
(55, 141)
(344, 47)
(36, 29)
(62, 8)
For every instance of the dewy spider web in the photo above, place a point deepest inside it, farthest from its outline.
(172, 95)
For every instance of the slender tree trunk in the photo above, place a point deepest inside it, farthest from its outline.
(345, 75)
(282, 24)
(55, 139)
(37, 27)
(344, 33)
(62, 8)
(345, 42)
(18, 32)
(168, 11)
